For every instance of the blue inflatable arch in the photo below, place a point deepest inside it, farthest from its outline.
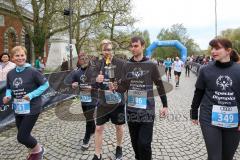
(168, 43)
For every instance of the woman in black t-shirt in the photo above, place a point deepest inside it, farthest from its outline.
(218, 95)
(25, 85)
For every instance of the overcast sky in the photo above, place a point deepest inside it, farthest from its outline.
(198, 16)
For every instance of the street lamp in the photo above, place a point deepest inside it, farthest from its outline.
(69, 12)
(215, 18)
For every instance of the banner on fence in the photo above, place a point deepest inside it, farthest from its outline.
(59, 90)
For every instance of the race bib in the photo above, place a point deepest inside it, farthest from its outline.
(223, 116)
(137, 99)
(85, 96)
(112, 97)
(21, 106)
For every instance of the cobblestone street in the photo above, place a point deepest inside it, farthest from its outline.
(61, 128)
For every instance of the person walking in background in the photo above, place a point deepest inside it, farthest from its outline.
(217, 94)
(168, 68)
(177, 66)
(187, 67)
(25, 85)
(5, 66)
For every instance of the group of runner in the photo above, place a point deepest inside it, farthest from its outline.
(177, 66)
(122, 91)
(114, 78)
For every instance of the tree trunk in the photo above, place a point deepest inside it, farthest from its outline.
(39, 44)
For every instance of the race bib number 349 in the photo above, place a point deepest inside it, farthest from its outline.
(225, 116)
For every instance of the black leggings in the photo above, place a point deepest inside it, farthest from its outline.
(25, 124)
(141, 134)
(168, 69)
(221, 143)
(88, 112)
(187, 72)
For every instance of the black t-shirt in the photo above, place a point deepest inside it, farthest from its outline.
(138, 78)
(86, 79)
(22, 83)
(221, 87)
(118, 63)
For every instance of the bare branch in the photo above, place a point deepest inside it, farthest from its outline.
(22, 19)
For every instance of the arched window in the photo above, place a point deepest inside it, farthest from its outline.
(10, 39)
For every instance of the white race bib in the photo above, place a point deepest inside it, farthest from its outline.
(137, 99)
(112, 97)
(21, 106)
(225, 116)
(85, 96)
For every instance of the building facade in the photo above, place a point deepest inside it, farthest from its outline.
(12, 32)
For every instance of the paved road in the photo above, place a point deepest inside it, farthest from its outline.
(61, 129)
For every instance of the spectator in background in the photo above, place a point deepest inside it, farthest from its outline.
(187, 67)
(42, 65)
(235, 56)
(158, 62)
(37, 63)
(64, 66)
(191, 61)
(5, 66)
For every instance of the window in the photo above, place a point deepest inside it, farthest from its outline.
(1, 20)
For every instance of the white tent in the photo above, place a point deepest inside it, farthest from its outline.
(59, 50)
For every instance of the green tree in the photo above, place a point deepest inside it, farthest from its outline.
(118, 22)
(234, 36)
(115, 23)
(146, 37)
(176, 32)
(48, 18)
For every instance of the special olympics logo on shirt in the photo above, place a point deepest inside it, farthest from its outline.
(224, 82)
(83, 78)
(137, 72)
(17, 82)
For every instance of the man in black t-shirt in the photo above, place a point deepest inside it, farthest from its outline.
(138, 76)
